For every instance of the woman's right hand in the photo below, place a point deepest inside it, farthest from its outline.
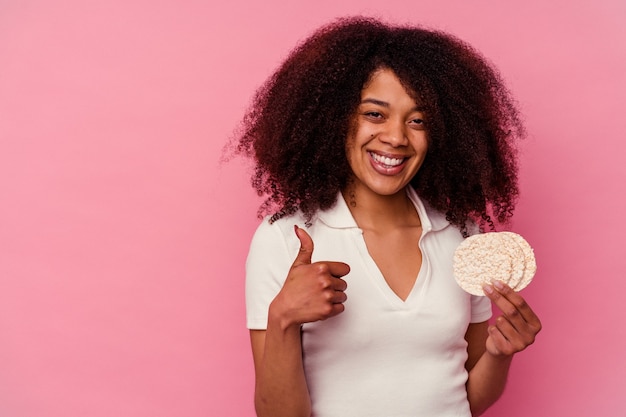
(312, 291)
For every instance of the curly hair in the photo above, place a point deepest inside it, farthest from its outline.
(300, 118)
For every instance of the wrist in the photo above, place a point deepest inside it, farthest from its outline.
(498, 358)
(278, 318)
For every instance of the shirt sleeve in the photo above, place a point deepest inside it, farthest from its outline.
(481, 309)
(267, 266)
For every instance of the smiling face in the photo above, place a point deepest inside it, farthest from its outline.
(388, 140)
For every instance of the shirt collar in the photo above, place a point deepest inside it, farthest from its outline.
(339, 216)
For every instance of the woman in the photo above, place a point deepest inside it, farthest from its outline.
(380, 148)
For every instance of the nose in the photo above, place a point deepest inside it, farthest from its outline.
(394, 134)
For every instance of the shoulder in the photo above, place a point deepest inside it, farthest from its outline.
(272, 236)
(281, 225)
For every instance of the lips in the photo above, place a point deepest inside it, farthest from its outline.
(385, 160)
(386, 164)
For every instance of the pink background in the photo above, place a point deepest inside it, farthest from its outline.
(123, 237)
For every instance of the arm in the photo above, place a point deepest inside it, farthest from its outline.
(491, 348)
(312, 292)
(487, 377)
(280, 384)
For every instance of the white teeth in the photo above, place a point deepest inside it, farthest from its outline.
(392, 162)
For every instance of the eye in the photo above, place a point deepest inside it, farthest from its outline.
(373, 114)
(418, 123)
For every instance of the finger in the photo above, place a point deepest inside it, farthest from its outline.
(337, 269)
(508, 309)
(306, 247)
(517, 305)
(514, 308)
(499, 342)
(339, 284)
(336, 309)
(339, 297)
(516, 340)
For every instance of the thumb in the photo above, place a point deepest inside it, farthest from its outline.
(306, 247)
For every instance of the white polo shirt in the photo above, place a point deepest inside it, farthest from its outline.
(381, 357)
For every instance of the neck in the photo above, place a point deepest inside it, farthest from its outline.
(373, 211)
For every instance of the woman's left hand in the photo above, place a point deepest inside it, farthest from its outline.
(518, 325)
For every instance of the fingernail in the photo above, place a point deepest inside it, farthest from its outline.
(295, 229)
(498, 284)
(488, 289)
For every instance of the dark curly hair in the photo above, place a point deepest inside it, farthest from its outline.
(301, 116)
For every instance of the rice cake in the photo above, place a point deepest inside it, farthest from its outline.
(484, 258)
(530, 264)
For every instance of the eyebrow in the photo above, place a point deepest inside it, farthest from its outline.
(374, 101)
(385, 104)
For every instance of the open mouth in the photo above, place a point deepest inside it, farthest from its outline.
(386, 161)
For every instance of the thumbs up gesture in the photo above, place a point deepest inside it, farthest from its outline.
(312, 291)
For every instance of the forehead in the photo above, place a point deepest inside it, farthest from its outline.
(384, 85)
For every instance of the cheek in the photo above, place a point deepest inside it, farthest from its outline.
(352, 145)
(420, 143)
(352, 157)
(348, 149)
